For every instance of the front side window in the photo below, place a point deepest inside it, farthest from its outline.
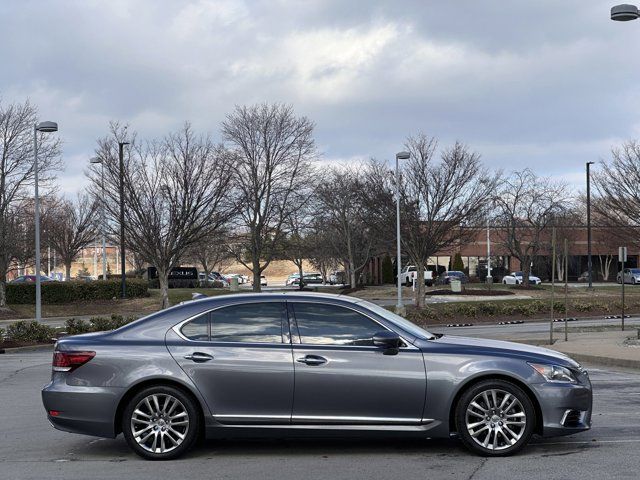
(248, 323)
(320, 324)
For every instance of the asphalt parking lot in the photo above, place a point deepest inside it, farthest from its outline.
(31, 449)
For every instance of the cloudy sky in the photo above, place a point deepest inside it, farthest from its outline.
(541, 84)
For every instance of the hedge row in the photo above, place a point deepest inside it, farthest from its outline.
(64, 292)
(29, 332)
(525, 309)
(96, 324)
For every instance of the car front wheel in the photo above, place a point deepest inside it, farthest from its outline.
(495, 418)
(160, 423)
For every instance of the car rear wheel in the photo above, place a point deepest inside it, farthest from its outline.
(160, 423)
(495, 418)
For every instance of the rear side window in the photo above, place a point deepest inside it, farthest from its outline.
(197, 329)
(248, 323)
(320, 324)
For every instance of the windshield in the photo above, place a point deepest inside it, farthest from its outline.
(403, 323)
(635, 270)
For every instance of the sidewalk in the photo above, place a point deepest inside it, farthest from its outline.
(618, 348)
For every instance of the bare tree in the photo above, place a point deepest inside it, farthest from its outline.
(210, 253)
(356, 211)
(526, 205)
(616, 206)
(438, 198)
(177, 192)
(72, 229)
(17, 175)
(273, 150)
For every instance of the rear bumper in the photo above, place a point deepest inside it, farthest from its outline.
(85, 410)
(566, 408)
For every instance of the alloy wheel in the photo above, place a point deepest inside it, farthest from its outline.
(159, 423)
(495, 419)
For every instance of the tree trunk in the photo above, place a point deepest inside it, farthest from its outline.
(3, 293)
(163, 278)
(256, 276)
(301, 283)
(67, 270)
(420, 285)
(526, 271)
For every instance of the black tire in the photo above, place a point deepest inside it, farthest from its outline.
(525, 431)
(191, 433)
(407, 283)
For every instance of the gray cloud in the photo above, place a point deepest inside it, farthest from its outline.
(543, 84)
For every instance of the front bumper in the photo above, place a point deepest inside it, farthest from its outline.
(80, 409)
(565, 408)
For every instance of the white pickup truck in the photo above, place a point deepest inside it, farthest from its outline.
(408, 275)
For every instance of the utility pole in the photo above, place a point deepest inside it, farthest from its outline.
(589, 262)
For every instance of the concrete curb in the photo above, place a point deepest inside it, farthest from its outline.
(26, 349)
(607, 361)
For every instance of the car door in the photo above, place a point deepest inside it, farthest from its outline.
(342, 378)
(239, 357)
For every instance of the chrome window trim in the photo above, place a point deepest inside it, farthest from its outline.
(408, 344)
(330, 418)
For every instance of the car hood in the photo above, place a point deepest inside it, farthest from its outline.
(483, 346)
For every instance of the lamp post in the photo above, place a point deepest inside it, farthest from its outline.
(399, 156)
(96, 160)
(123, 272)
(589, 262)
(624, 12)
(44, 127)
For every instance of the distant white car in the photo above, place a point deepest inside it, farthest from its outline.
(410, 272)
(516, 278)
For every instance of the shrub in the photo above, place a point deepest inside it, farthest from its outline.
(1, 334)
(387, 270)
(65, 292)
(423, 315)
(96, 324)
(33, 331)
(101, 324)
(457, 264)
(76, 327)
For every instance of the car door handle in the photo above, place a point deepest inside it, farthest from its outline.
(199, 357)
(312, 360)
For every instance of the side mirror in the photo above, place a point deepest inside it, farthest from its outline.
(389, 341)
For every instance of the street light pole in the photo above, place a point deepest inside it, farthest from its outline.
(589, 262)
(44, 127)
(102, 218)
(399, 307)
(123, 281)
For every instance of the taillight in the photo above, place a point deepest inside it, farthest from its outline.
(69, 361)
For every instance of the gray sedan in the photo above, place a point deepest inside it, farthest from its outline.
(227, 366)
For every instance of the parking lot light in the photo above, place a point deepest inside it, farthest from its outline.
(624, 12)
(44, 127)
(399, 156)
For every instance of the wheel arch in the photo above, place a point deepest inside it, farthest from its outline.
(496, 376)
(152, 382)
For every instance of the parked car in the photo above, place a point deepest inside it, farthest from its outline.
(631, 275)
(337, 277)
(410, 272)
(308, 279)
(445, 277)
(165, 378)
(31, 279)
(213, 277)
(241, 278)
(516, 278)
(291, 278)
(263, 281)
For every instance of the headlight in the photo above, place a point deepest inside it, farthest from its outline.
(554, 373)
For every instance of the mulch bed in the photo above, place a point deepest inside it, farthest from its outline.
(474, 292)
